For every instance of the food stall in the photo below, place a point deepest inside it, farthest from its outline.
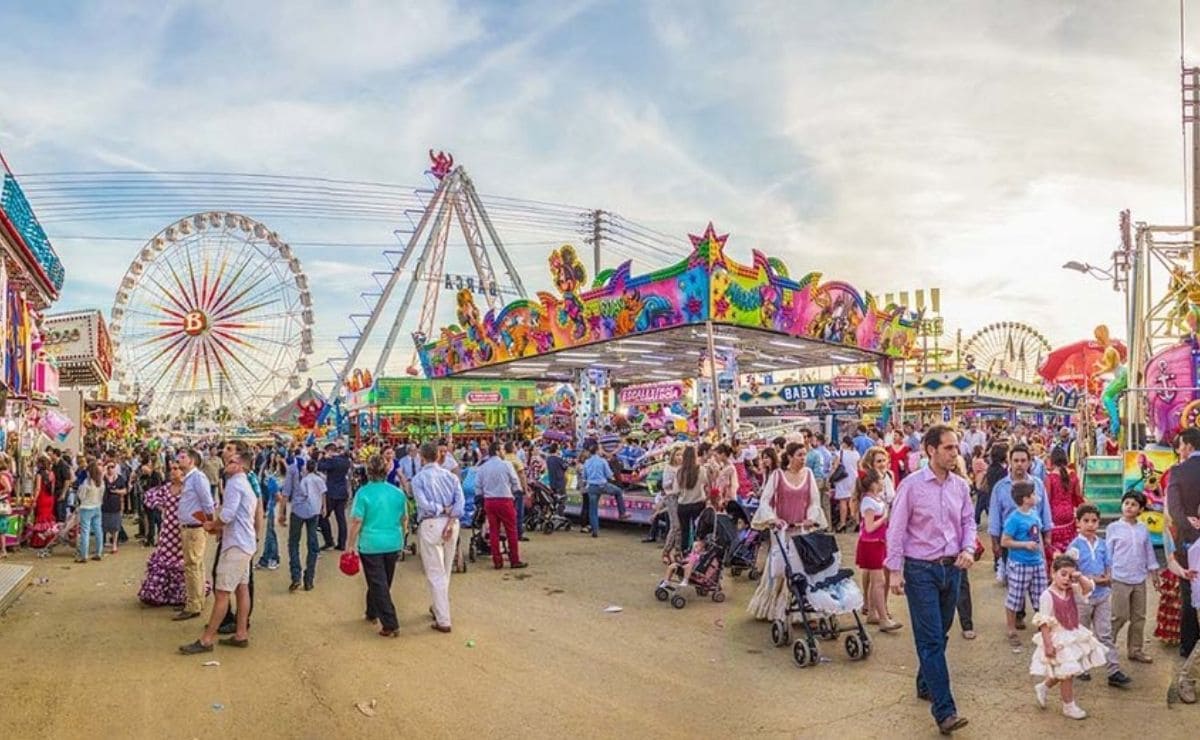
(31, 276)
(976, 394)
(404, 409)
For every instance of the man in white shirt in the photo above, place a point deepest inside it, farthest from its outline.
(972, 438)
(237, 522)
(446, 459)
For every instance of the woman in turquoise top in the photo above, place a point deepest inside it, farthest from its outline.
(377, 524)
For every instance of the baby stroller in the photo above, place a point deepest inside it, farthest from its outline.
(821, 590)
(548, 512)
(466, 521)
(478, 546)
(744, 554)
(706, 576)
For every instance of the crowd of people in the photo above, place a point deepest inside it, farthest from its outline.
(916, 501)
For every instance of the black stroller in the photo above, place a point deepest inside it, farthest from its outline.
(548, 511)
(744, 554)
(820, 591)
(718, 532)
(478, 546)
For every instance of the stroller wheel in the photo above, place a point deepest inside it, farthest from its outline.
(662, 594)
(548, 527)
(718, 596)
(854, 647)
(701, 592)
(867, 646)
(678, 601)
(754, 574)
(803, 654)
(735, 572)
(780, 634)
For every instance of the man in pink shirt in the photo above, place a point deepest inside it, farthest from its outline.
(930, 542)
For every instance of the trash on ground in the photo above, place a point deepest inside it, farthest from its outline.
(211, 663)
(470, 643)
(217, 707)
(366, 707)
(613, 609)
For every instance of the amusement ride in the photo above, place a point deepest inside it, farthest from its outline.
(214, 309)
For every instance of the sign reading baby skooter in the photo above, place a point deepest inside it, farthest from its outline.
(80, 343)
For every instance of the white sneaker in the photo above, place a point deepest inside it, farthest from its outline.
(1040, 690)
(1073, 711)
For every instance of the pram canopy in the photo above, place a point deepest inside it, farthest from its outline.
(816, 551)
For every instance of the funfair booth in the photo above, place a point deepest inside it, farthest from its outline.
(626, 329)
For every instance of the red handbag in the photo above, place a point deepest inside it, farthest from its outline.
(349, 563)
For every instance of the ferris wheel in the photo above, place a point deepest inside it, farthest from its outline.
(213, 312)
(1007, 348)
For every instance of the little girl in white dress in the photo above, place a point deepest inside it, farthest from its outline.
(1063, 648)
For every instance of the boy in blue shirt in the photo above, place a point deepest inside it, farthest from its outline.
(1132, 559)
(1026, 570)
(1091, 553)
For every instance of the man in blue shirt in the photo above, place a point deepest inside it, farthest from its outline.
(439, 497)
(819, 460)
(597, 480)
(862, 442)
(195, 505)
(307, 499)
(1002, 505)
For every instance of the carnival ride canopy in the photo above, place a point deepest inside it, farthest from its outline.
(655, 326)
(1075, 363)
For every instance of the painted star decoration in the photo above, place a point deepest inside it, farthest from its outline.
(715, 243)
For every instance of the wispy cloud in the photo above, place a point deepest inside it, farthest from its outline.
(894, 145)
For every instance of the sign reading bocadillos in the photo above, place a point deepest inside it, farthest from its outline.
(636, 395)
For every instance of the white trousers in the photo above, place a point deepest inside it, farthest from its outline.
(437, 557)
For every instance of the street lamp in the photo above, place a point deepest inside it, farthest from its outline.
(1116, 273)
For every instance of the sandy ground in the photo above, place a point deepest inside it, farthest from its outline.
(83, 658)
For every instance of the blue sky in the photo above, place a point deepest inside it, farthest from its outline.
(973, 146)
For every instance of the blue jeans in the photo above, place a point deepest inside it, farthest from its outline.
(270, 551)
(89, 526)
(595, 491)
(295, 523)
(932, 593)
(519, 502)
